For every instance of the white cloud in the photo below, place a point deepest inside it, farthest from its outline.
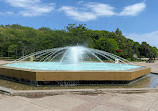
(22, 3)
(36, 10)
(84, 12)
(90, 11)
(77, 15)
(133, 10)
(93, 10)
(31, 7)
(151, 38)
(6, 13)
(80, 2)
(101, 9)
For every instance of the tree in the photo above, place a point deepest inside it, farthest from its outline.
(147, 51)
(106, 44)
(118, 32)
(17, 40)
(77, 34)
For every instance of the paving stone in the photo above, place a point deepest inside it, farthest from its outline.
(104, 108)
(59, 102)
(75, 102)
(133, 100)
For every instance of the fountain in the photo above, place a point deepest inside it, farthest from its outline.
(75, 63)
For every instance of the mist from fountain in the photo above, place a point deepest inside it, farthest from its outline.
(73, 55)
(72, 58)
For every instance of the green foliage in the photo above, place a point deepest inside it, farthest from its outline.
(147, 51)
(17, 40)
(107, 44)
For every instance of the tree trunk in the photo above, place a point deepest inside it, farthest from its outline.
(16, 53)
(23, 52)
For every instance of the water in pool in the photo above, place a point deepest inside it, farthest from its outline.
(64, 66)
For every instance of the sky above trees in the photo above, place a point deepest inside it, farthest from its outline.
(137, 19)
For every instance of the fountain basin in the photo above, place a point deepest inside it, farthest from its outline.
(75, 63)
(74, 75)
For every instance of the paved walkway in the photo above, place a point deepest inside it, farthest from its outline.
(154, 66)
(76, 102)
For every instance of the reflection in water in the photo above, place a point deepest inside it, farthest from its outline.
(153, 81)
(143, 82)
(148, 81)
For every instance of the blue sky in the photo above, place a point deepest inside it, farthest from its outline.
(137, 19)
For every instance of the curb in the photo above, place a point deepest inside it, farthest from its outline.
(6, 90)
(76, 91)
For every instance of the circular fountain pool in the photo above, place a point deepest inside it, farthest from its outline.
(75, 67)
(73, 64)
(73, 58)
